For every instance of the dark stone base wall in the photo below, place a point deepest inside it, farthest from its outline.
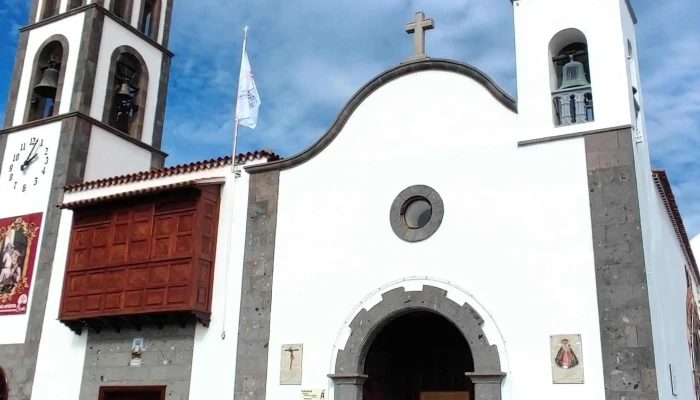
(623, 299)
(256, 296)
(166, 360)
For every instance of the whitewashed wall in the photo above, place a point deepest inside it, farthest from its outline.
(59, 367)
(214, 358)
(113, 36)
(13, 328)
(71, 28)
(664, 259)
(536, 23)
(667, 288)
(62, 353)
(516, 220)
(110, 155)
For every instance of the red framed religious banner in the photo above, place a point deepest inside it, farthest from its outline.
(19, 237)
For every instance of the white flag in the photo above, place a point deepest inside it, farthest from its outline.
(248, 101)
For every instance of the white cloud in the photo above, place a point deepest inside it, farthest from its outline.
(310, 56)
(669, 42)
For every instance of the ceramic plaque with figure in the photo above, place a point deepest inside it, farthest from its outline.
(18, 238)
(290, 368)
(567, 358)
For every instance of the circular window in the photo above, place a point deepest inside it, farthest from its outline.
(416, 213)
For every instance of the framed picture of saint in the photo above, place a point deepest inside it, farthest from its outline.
(566, 358)
(18, 244)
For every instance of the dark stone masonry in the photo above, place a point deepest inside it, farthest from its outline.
(623, 298)
(166, 360)
(256, 296)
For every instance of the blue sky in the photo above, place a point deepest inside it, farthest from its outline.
(310, 56)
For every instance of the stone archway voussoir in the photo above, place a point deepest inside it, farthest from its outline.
(349, 368)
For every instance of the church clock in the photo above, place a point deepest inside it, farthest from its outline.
(28, 164)
(28, 167)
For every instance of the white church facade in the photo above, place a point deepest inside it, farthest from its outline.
(482, 248)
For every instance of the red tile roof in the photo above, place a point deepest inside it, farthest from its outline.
(170, 171)
(140, 192)
(664, 187)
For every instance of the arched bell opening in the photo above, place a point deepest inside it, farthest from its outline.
(570, 78)
(418, 355)
(46, 85)
(417, 345)
(127, 92)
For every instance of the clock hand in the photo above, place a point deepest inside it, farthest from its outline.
(26, 162)
(30, 152)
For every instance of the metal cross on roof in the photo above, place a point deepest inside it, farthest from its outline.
(419, 26)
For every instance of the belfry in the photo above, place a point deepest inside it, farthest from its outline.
(459, 245)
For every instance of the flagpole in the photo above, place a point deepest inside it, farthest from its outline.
(232, 194)
(235, 124)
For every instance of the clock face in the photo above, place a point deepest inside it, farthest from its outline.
(28, 166)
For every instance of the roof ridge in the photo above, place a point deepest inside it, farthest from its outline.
(170, 171)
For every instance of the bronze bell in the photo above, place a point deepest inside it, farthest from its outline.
(124, 92)
(573, 75)
(48, 85)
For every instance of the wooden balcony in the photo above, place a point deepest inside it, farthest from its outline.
(142, 259)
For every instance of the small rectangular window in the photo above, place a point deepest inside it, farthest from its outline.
(119, 8)
(74, 4)
(149, 18)
(49, 9)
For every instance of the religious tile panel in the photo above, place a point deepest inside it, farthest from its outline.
(19, 237)
(567, 358)
(290, 370)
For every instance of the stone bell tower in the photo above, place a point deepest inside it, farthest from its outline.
(87, 101)
(105, 59)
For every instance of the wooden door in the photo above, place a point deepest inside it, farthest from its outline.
(133, 396)
(444, 396)
(132, 393)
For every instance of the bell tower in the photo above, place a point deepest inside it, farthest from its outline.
(573, 65)
(579, 86)
(87, 101)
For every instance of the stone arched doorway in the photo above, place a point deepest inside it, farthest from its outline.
(379, 334)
